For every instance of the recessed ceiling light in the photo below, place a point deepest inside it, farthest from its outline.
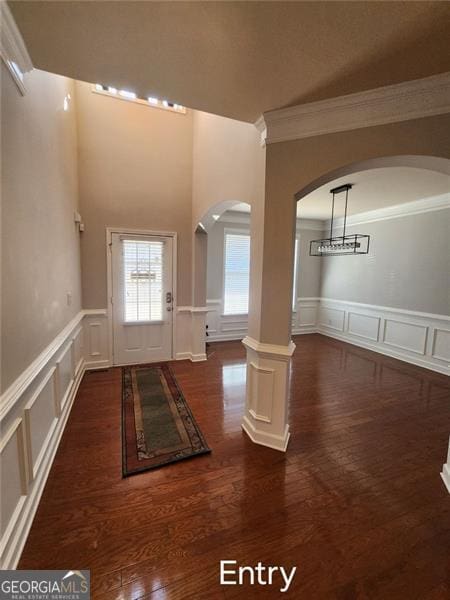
(216, 217)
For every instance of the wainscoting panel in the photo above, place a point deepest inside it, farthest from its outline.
(96, 339)
(441, 344)
(331, 318)
(422, 339)
(304, 319)
(235, 327)
(224, 327)
(406, 336)
(65, 370)
(41, 414)
(364, 326)
(13, 478)
(33, 413)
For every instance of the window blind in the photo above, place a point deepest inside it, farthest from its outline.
(142, 273)
(237, 273)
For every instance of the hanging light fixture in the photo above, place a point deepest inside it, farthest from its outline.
(354, 243)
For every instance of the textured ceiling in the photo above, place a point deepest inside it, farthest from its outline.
(237, 59)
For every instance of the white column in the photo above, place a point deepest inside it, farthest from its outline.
(446, 469)
(198, 333)
(266, 409)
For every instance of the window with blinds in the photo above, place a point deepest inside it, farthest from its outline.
(237, 273)
(143, 285)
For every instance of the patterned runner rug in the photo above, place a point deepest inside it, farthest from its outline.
(157, 425)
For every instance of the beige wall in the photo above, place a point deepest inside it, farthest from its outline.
(229, 163)
(40, 242)
(135, 165)
(291, 166)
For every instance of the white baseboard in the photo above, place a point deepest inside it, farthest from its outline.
(445, 474)
(190, 356)
(183, 356)
(97, 364)
(270, 440)
(419, 362)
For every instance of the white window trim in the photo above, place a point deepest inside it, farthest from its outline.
(109, 283)
(296, 274)
(232, 231)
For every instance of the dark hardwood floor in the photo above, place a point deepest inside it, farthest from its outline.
(356, 503)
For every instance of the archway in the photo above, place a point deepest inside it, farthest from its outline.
(209, 224)
(269, 345)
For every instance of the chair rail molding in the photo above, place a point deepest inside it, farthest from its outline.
(12, 48)
(389, 104)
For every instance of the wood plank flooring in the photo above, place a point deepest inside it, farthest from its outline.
(356, 503)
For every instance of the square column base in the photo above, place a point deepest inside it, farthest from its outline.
(266, 408)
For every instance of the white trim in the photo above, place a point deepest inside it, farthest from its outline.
(389, 104)
(445, 474)
(109, 287)
(377, 307)
(15, 542)
(270, 350)
(12, 48)
(416, 207)
(260, 125)
(419, 362)
(18, 387)
(406, 344)
(264, 438)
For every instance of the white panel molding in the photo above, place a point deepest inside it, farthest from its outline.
(34, 400)
(441, 349)
(416, 207)
(26, 378)
(410, 336)
(49, 381)
(331, 317)
(389, 104)
(445, 474)
(97, 348)
(365, 326)
(268, 367)
(12, 48)
(15, 436)
(357, 323)
(261, 382)
(419, 338)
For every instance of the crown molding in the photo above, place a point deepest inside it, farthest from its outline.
(390, 104)
(12, 47)
(415, 207)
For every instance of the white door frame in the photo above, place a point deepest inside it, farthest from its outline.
(128, 231)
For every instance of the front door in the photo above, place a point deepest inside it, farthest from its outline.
(142, 298)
